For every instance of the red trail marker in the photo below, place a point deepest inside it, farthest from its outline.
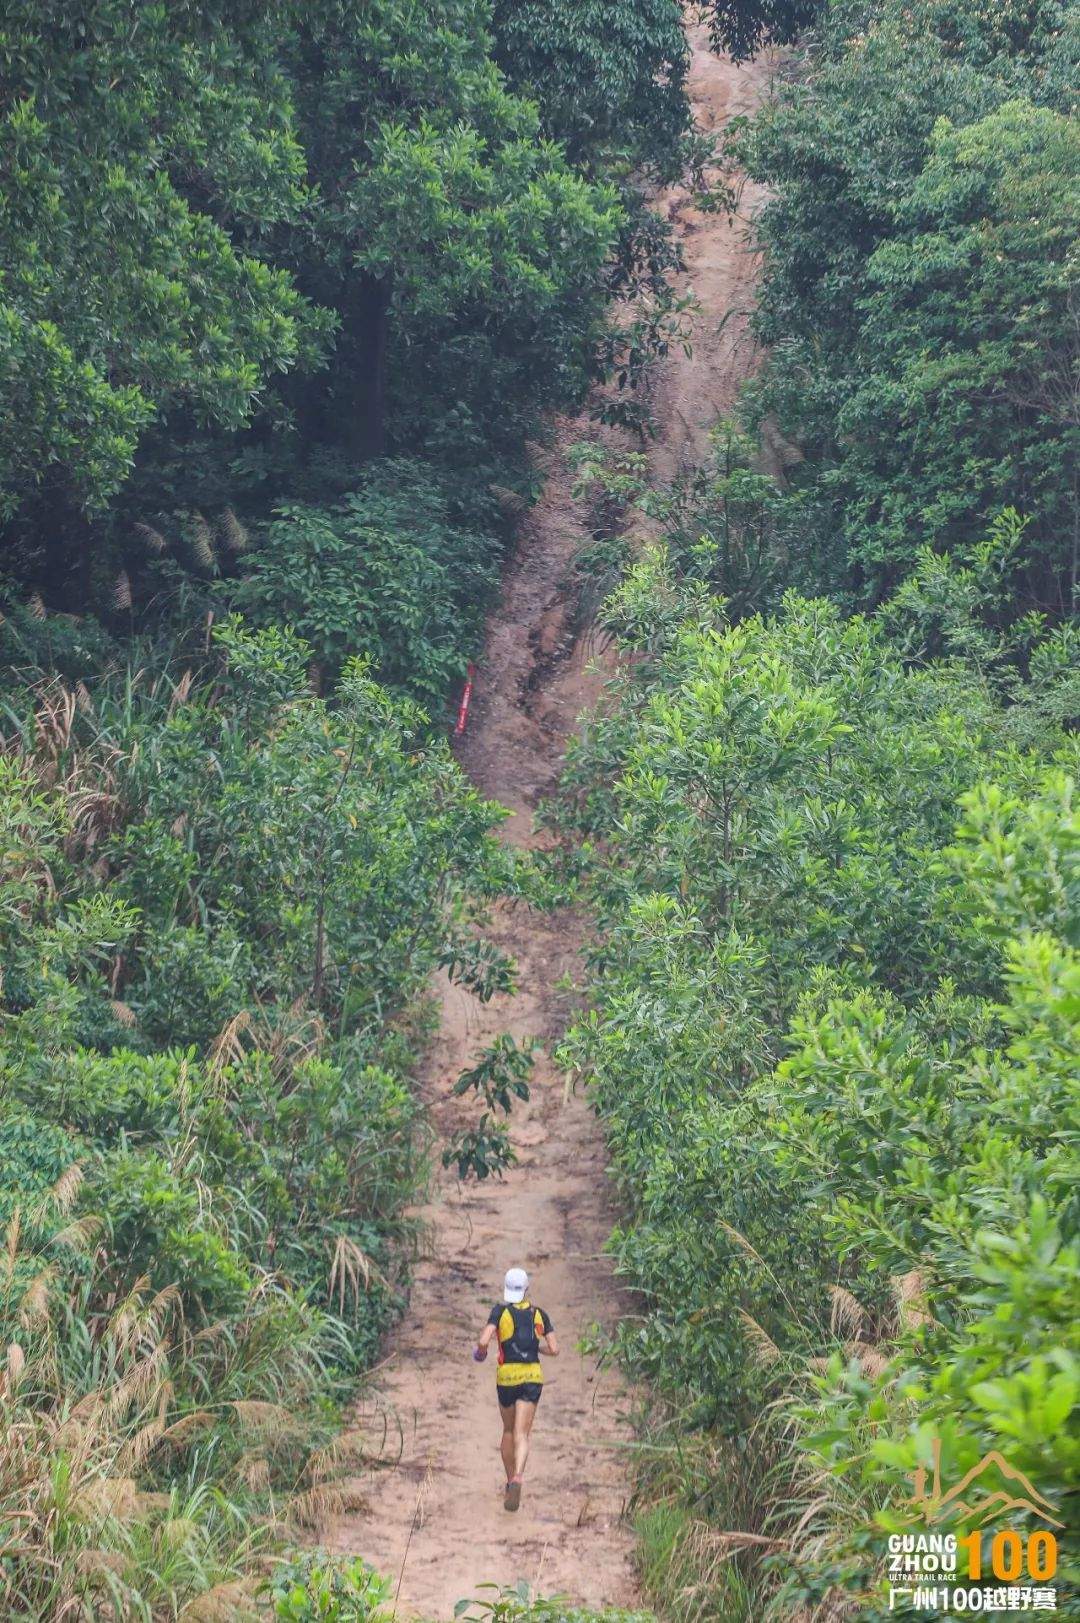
(466, 696)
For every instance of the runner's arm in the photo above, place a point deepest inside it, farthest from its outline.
(548, 1344)
(487, 1336)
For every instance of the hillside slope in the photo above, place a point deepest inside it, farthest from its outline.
(434, 1513)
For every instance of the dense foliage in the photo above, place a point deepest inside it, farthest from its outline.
(743, 29)
(123, 298)
(283, 292)
(242, 248)
(222, 896)
(608, 79)
(835, 1046)
(919, 298)
(831, 841)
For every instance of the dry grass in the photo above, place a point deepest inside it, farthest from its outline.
(762, 1346)
(230, 1602)
(181, 692)
(201, 537)
(233, 533)
(83, 1537)
(351, 1272)
(848, 1316)
(910, 1293)
(227, 1048)
(152, 539)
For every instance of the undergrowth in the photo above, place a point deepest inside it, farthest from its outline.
(223, 898)
(833, 1043)
(827, 820)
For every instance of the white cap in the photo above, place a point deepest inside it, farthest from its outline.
(515, 1285)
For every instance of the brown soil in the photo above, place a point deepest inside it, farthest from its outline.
(434, 1518)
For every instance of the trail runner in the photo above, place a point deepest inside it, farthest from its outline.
(524, 1332)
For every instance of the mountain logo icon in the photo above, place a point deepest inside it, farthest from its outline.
(990, 1490)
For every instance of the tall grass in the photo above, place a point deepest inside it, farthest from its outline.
(121, 1493)
(161, 1437)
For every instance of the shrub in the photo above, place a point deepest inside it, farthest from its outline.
(386, 573)
(316, 1585)
(224, 897)
(833, 1046)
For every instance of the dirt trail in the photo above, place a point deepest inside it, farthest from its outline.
(434, 1513)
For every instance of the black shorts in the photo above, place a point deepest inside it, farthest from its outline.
(527, 1392)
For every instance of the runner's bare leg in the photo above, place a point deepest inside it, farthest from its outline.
(506, 1441)
(524, 1414)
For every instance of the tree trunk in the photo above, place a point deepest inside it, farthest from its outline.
(366, 323)
(65, 576)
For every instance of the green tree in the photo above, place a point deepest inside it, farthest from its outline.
(743, 27)
(967, 393)
(892, 325)
(243, 250)
(138, 151)
(609, 80)
(386, 573)
(461, 252)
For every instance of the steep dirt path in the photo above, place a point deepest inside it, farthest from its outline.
(434, 1519)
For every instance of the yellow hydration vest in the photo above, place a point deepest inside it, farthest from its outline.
(513, 1370)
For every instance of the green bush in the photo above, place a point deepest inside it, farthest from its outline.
(316, 1585)
(386, 573)
(224, 897)
(919, 290)
(518, 1604)
(833, 1046)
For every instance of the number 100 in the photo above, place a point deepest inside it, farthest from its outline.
(1010, 1554)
